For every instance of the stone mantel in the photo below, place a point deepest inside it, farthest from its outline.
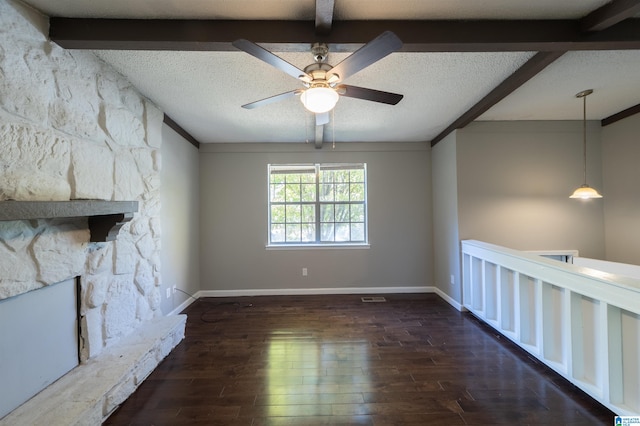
(105, 217)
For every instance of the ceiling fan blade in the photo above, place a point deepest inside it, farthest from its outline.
(322, 118)
(272, 99)
(369, 94)
(268, 57)
(376, 49)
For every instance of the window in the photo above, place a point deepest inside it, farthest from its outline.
(317, 204)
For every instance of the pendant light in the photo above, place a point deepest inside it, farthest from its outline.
(585, 192)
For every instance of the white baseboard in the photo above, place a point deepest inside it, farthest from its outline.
(448, 299)
(313, 291)
(181, 307)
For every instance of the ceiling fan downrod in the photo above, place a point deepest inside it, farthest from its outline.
(320, 51)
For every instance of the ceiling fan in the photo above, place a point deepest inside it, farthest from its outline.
(322, 81)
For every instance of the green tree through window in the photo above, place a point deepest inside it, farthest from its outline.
(317, 204)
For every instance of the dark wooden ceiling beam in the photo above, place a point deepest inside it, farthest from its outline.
(599, 22)
(532, 67)
(609, 15)
(324, 16)
(345, 36)
(182, 132)
(621, 115)
(607, 28)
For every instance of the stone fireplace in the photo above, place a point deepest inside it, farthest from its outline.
(72, 128)
(122, 335)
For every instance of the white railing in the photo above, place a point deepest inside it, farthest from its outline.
(582, 323)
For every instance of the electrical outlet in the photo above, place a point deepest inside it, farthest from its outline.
(174, 289)
(168, 292)
(304, 272)
(453, 279)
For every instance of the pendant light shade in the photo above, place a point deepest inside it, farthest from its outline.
(585, 192)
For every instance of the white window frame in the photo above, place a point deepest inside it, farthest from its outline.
(317, 203)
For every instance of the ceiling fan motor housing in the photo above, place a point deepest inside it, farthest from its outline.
(318, 72)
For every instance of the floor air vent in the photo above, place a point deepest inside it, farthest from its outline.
(372, 299)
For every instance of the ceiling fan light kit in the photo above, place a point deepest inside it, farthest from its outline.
(319, 99)
(321, 79)
(585, 192)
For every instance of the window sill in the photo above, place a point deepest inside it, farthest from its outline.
(364, 246)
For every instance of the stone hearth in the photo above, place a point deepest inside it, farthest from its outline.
(92, 391)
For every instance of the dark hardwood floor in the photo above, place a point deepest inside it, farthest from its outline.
(327, 360)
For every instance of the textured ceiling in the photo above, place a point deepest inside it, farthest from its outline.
(203, 91)
(614, 77)
(436, 86)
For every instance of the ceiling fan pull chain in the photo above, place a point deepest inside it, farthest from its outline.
(333, 127)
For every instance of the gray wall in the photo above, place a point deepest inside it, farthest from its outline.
(233, 196)
(621, 171)
(508, 183)
(445, 218)
(180, 191)
(514, 182)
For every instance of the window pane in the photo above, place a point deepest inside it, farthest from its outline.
(326, 176)
(342, 232)
(293, 214)
(293, 232)
(277, 233)
(357, 232)
(308, 192)
(342, 192)
(308, 213)
(342, 212)
(277, 178)
(308, 178)
(357, 192)
(277, 193)
(277, 214)
(327, 232)
(326, 192)
(308, 233)
(341, 175)
(293, 178)
(326, 213)
(293, 192)
(357, 175)
(357, 213)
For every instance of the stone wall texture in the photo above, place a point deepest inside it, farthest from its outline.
(73, 128)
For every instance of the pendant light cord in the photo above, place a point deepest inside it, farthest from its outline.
(584, 191)
(584, 137)
(584, 95)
